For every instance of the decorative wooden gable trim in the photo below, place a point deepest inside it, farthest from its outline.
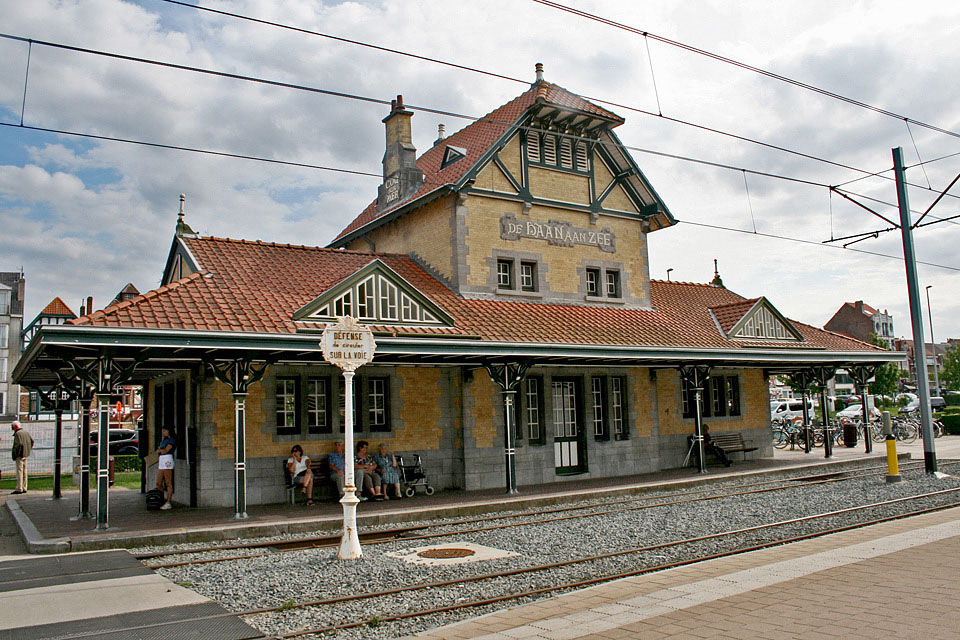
(180, 262)
(376, 294)
(763, 322)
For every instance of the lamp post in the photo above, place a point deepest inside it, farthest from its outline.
(933, 347)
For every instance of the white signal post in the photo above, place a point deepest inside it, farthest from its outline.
(348, 345)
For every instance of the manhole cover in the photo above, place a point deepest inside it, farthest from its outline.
(445, 553)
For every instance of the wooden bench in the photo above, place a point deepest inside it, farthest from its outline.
(731, 442)
(323, 486)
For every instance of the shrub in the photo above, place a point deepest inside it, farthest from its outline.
(126, 463)
(951, 423)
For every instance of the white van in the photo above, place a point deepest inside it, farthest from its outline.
(789, 409)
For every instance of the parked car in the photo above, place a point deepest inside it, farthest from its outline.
(789, 409)
(855, 411)
(936, 404)
(123, 442)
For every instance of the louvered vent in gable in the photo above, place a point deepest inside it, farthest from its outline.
(375, 295)
(533, 146)
(583, 161)
(549, 149)
(566, 153)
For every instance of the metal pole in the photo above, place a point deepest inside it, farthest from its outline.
(103, 461)
(933, 345)
(57, 446)
(350, 541)
(806, 421)
(84, 512)
(510, 449)
(697, 392)
(867, 435)
(827, 436)
(916, 315)
(240, 456)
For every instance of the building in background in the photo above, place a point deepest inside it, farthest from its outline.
(934, 357)
(56, 312)
(12, 290)
(859, 320)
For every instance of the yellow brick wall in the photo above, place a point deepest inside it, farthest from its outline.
(617, 199)
(562, 263)
(484, 401)
(512, 158)
(259, 440)
(492, 178)
(421, 389)
(426, 232)
(754, 407)
(558, 185)
(639, 401)
(601, 175)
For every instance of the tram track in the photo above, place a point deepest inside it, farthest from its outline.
(584, 582)
(407, 534)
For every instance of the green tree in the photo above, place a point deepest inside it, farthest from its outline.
(950, 374)
(885, 381)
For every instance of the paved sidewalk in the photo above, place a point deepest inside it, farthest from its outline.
(899, 579)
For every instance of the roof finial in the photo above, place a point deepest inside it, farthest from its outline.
(183, 229)
(717, 282)
(180, 215)
(539, 68)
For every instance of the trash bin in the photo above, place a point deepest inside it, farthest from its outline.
(849, 434)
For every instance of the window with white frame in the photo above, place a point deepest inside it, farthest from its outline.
(378, 392)
(388, 300)
(533, 398)
(528, 276)
(286, 406)
(598, 394)
(366, 299)
(318, 403)
(593, 282)
(343, 306)
(504, 273)
(616, 407)
(4, 332)
(613, 283)
(4, 302)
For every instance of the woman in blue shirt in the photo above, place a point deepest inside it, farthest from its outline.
(165, 466)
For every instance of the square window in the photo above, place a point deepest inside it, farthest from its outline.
(528, 276)
(613, 284)
(593, 282)
(504, 274)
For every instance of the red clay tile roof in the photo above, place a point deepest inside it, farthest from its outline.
(477, 138)
(729, 314)
(257, 286)
(57, 307)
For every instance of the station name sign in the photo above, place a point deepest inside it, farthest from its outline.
(557, 233)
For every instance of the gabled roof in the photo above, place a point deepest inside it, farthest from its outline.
(245, 286)
(754, 319)
(57, 307)
(475, 140)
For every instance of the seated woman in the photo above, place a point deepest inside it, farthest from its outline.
(299, 466)
(371, 479)
(387, 468)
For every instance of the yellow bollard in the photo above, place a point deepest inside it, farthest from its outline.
(893, 466)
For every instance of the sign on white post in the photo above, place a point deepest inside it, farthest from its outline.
(348, 345)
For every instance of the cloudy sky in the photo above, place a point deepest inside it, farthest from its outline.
(84, 217)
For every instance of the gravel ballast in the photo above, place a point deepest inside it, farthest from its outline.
(286, 578)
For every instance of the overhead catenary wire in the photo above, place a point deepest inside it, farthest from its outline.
(471, 69)
(743, 65)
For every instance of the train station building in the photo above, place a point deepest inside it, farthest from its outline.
(505, 275)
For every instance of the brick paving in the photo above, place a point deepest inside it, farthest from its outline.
(898, 579)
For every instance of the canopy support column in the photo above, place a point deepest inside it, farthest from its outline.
(508, 376)
(695, 376)
(239, 374)
(804, 379)
(822, 375)
(861, 374)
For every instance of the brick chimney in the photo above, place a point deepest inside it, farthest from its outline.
(858, 305)
(400, 174)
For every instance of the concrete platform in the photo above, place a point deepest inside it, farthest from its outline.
(894, 580)
(47, 526)
(107, 594)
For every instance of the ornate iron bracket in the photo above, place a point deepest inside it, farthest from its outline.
(861, 374)
(695, 375)
(104, 374)
(508, 375)
(238, 374)
(821, 374)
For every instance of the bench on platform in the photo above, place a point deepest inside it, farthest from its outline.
(731, 442)
(323, 487)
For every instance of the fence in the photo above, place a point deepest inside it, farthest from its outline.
(41, 459)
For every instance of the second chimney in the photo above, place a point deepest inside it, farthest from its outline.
(400, 174)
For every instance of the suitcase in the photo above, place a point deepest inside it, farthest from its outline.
(154, 499)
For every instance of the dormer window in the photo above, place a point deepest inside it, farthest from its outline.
(451, 155)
